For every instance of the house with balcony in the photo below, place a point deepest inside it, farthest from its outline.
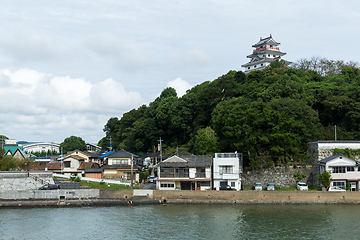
(343, 170)
(227, 170)
(188, 172)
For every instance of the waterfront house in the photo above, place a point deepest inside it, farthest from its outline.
(184, 173)
(119, 166)
(227, 170)
(343, 170)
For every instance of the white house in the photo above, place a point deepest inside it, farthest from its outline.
(227, 170)
(343, 170)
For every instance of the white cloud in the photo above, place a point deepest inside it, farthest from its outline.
(37, 103)
(180, 85)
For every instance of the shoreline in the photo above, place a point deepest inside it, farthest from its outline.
(148, 201)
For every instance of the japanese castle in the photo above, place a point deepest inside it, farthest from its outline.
(266, 51)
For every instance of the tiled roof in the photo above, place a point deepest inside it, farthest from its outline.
(90, 154)
(333, 141)
(74, 156)
(192, 161)
(325, 160)
(54, 166)
(106, 154)
(122, 153)
(86, 165)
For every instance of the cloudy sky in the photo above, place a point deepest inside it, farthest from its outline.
(66, 67)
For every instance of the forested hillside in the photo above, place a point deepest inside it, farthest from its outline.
(269, 115)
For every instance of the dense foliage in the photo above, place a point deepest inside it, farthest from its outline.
(269, 116)
(73, 143)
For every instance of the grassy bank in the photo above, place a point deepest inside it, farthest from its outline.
(103, 185)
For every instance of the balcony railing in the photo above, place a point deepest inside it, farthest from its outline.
(266, 48)
(226, 155)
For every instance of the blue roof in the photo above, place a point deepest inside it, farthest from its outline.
(106, 154)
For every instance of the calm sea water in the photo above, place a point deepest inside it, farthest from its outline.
(183, 222)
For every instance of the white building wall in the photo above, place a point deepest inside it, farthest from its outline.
(234, 177)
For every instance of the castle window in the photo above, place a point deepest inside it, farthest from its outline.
(262, 64)
(268, 55)
(255, 66)
(248, 67)
(274, 55)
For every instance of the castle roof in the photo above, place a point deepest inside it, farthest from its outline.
(268, 40)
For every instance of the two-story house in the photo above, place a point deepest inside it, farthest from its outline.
(227, 170)
(86, 155)
(184, 173)
(119, 166)
(343, 170)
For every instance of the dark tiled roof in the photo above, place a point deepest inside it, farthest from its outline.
(94, 170)
(192, 161)
(74, 156)
(121, 153)
(325, 160)
(90, 154)
(332, 141)
(86, 165)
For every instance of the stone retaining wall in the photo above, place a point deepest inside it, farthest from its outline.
(49, 194)
(281, 176)
(24, 180)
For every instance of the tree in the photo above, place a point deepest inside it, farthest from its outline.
(205, 142)
(325, 178)
(72, 143)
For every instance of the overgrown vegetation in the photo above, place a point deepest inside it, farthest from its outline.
(325, 179)
(270, 115)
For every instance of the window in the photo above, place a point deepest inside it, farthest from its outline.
(124, 161)
(358, 169)
(66, 164)
(338, 169)
(200, 172)
(350, 169)
(205, 184)
(339, 184)
(270, 45)
(248, 67)
(268, 55)
(167, 185)
(226, 169)
(274, 55)
(255, 66)
(232, 184)
(262, 64)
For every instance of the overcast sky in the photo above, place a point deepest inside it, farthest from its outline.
(66, 67)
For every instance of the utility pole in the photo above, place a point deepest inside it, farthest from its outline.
(160, 149)
(132, 170)
(335, 132)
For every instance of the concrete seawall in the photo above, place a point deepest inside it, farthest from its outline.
(96, 197)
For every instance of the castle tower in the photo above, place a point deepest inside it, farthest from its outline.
(266, 51)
